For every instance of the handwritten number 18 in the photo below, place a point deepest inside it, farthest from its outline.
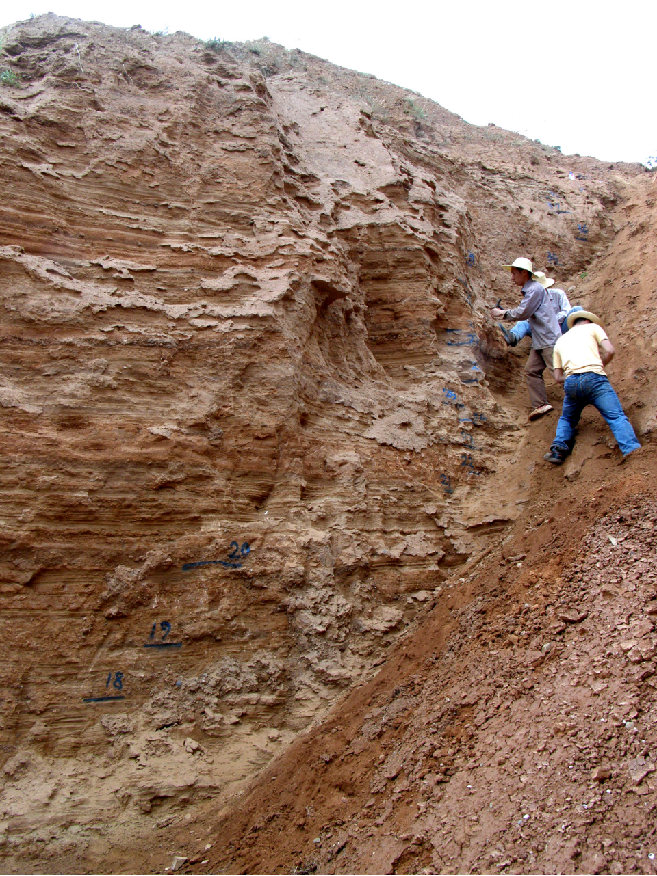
(118, 680)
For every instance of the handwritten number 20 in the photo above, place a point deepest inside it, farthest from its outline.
(238, 552)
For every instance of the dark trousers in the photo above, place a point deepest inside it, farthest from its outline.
(538, 361)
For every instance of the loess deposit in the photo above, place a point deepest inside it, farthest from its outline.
(261, 438)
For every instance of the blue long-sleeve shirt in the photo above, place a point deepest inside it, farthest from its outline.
(560, 302)
(537, 308)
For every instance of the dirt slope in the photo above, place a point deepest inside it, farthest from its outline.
(520, 737)
(516, 729)
(256, 427)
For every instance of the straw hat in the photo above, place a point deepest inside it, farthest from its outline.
(582, 314)
(545, 282)
(522, 264)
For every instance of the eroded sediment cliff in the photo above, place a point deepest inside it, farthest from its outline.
(251, 394)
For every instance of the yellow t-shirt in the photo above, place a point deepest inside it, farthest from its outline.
(578, 350)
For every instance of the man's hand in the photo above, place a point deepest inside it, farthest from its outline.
(497, 313)
(558, 375)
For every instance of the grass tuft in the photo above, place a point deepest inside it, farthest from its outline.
(8, 77)
(215, 44)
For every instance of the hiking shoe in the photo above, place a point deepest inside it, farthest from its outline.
(540, 411)
(555, 457)
(511, 340)
(633, 453)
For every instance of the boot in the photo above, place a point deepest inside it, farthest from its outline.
(510, 339)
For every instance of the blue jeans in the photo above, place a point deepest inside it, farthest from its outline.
(520, 330)
(585, 389)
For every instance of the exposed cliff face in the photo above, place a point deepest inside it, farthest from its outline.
(252, 401)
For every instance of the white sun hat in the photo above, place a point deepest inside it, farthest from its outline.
(523, 264)
(545, 282)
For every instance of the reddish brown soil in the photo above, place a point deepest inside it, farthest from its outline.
(515, 730)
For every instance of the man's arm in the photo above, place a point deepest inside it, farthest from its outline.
(606, 352)
(557, 363)
(528, 305)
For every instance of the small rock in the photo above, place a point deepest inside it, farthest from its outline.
(600, 773)
(594, 863)
(644, 651)
(160, 431)
(190, 745)
(178, 862)
(639, 768)
(421, 595)
(572, 617)
(642, 628)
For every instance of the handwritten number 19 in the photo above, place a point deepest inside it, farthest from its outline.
(165, 626)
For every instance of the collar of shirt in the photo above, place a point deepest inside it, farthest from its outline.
(528, 287)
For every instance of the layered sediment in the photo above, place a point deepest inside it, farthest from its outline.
(252, 400)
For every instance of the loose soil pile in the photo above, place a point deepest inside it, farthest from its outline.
(515, 732)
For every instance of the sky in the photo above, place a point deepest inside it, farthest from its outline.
(571, 73)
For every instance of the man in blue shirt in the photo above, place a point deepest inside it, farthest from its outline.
(536, 307)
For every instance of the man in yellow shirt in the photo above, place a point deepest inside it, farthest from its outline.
(579, 360)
